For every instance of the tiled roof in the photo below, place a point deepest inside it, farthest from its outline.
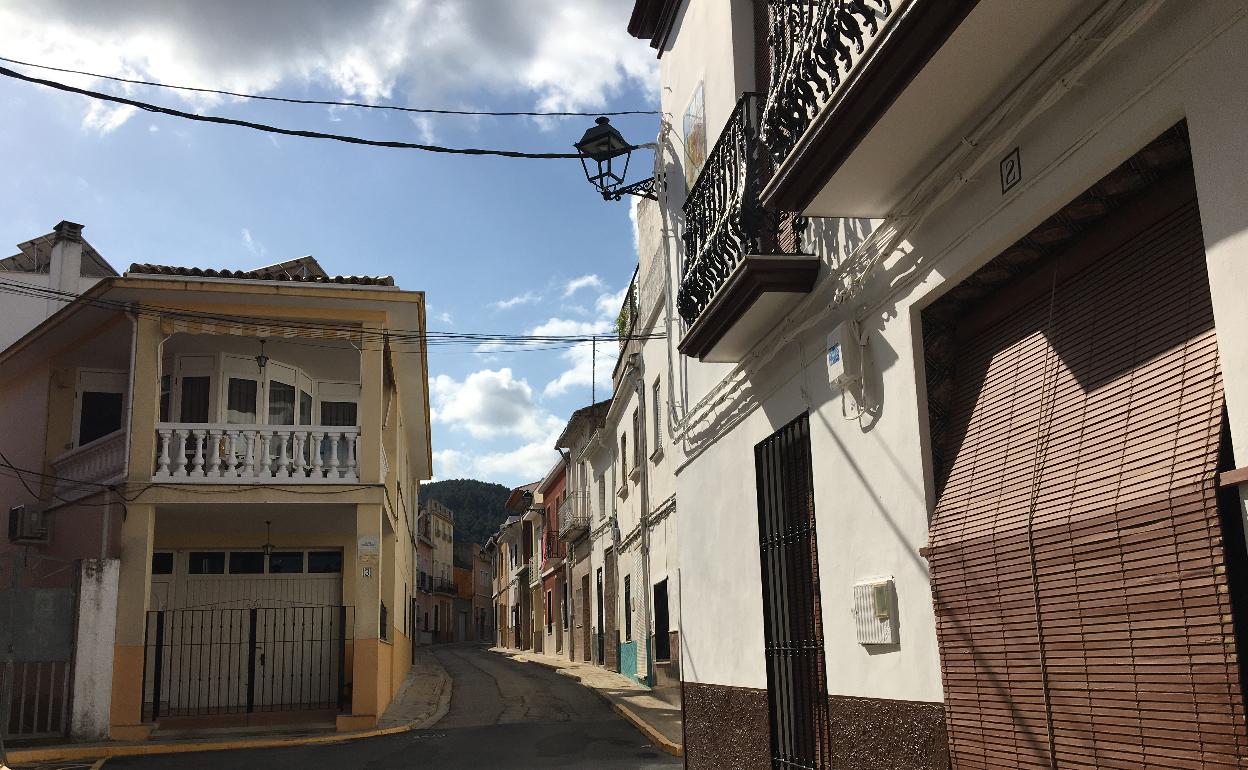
(272, 273)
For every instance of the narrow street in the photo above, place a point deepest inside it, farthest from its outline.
(503, 714)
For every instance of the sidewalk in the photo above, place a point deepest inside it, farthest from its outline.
(659, 720)
(421, 701)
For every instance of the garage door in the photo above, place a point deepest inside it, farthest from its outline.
(1076, 549)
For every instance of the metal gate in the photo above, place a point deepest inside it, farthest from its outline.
(37, 627)
(797, 697)
(239, 661)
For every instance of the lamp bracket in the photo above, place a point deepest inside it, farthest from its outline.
(642, 189)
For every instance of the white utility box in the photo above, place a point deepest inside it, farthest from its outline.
(875, 611)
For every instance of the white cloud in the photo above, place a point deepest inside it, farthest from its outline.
(527, 298)
(489, 403)
(446, 318)
(104, 118)
(582, 282)
(451, 464)
(550, 53)
(256, 248)
(531, 461)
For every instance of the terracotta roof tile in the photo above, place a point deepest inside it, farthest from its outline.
(263, 274)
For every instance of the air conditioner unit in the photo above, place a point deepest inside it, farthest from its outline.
(27, 524)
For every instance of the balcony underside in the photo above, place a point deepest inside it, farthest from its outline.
(923, 86)
(758, 293)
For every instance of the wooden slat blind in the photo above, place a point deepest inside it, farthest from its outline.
(1076, 549)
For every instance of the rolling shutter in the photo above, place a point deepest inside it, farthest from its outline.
(1076, 549)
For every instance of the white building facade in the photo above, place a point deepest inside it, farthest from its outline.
(947, 437)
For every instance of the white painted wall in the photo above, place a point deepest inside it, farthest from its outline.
(872, 486)
(93, 648)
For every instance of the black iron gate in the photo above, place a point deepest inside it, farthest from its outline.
(239, 661)
(793, 630)
(38, 615)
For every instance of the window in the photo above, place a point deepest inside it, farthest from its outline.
(623, 457)
(99, 416)
(385, 623)
(195, 395)
(281, 403)
(628, 608)
(286, 562)
(338, 413)
(246, 563)
(305, 408)
(550, 613)
(165, 384)
(162, 564)
(656, 406)
(602, 496)
(637, 458)
(206, 563)
(240, 401)
(324, 562)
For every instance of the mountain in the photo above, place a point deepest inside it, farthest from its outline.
(478, 506)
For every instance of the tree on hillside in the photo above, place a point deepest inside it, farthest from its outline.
(478, 506)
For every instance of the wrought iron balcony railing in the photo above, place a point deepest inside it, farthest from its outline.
(813, 47)
(573, 516)
(724, 220)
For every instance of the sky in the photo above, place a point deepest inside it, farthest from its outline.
(498, 245)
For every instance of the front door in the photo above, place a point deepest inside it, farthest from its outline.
(797, 696)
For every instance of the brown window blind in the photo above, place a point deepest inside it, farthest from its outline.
(1076, 549)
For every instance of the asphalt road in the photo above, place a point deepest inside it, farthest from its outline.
(503, 714)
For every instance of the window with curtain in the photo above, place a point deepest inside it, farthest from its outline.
(281, 403)
(240, 401)
(305, 408)
(195, 393)
(339, 413)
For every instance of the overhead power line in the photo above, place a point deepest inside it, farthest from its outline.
(288, 131)
(328, 103)
(498, 342)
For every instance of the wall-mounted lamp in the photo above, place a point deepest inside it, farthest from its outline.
(267, 548)
(604, 145)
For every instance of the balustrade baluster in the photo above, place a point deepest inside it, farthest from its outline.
(231, 459)
(332, 467)
(283, 462)
(179, 446)
(352, 469)
(299, 459)
(214, 453)
(264, 461)
(248, 469)
(162, 466)
(197, 470)
(318, 442)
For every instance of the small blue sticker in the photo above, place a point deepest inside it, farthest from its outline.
(834, 355)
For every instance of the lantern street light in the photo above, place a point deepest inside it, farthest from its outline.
(604, 145)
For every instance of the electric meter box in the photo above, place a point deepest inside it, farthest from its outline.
(844, 356)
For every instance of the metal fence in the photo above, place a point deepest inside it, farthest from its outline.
(235, 661)
(34, 698)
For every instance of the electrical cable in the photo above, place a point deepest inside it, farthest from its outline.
(148, 107)
(363, 105)
(317, 330)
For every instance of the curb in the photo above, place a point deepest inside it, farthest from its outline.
(648, 730)
(102, 752)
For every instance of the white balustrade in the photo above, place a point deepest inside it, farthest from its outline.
(83, 470)
(225, 453)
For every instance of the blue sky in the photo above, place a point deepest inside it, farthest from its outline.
(498, 245)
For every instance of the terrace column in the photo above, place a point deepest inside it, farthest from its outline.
(370, 656)
(133, 590)
(372, 401)
(144, 399)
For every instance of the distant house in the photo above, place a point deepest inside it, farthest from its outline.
(237, 454)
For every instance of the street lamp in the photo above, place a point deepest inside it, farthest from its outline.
(604, 145)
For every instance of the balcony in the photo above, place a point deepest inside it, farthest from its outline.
(444, 586)
(535, 574)
(227, 453)
(742, 266)
(867, 97)
(83, 470)
(574, 516)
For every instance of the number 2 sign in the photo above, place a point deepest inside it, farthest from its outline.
(1011, 171)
